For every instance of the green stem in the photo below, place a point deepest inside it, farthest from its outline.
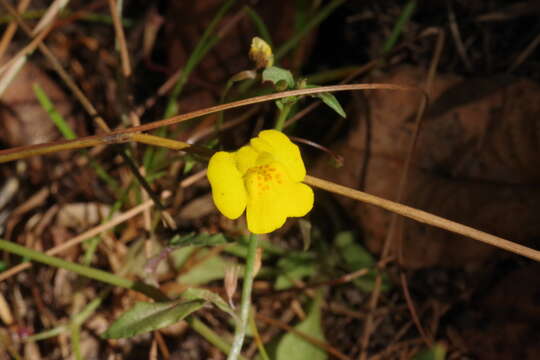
(76, 341)
(282, 116)
(241, 324)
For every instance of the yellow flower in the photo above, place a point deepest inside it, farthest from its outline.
(265, 177)
(261, 53)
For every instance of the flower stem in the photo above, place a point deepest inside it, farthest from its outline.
(241, 324)
(283, 114)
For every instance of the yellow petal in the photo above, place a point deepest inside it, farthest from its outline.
(245, 158)
(264, 214)
(228, 189)
(272, 196)
(298, 200)
(283, 150)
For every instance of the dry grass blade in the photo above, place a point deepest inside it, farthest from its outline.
(82, 237)
(121, 38)
(12, 28)
(77, 92)
(28, 49)
(525, 54)
(49, 16)
(118, 219)
(454, 29)
(264, 98)
(427, 339)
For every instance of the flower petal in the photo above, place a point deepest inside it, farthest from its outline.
(283, 150)
(263, 213)
(245, 158)
(297, 200)
(228, 189)
(272, 196)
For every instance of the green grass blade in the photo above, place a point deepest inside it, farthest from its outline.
(55, 116)
(68, 132)
(404, 18)
(315, 21)
(261, 27)
(198, 53)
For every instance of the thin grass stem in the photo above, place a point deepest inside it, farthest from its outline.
(96, 274)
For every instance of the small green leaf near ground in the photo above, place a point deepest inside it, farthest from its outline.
(145, 317)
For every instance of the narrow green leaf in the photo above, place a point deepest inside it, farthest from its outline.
(437, 352)
(261, 27)
(331, 101)
(399, 26)
(281, 78)
(145, 317)
(198, 239)
(293, 347)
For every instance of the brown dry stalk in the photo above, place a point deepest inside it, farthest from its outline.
(425, 217)
(118, 136)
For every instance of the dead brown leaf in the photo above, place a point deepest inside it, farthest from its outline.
(476, 162)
